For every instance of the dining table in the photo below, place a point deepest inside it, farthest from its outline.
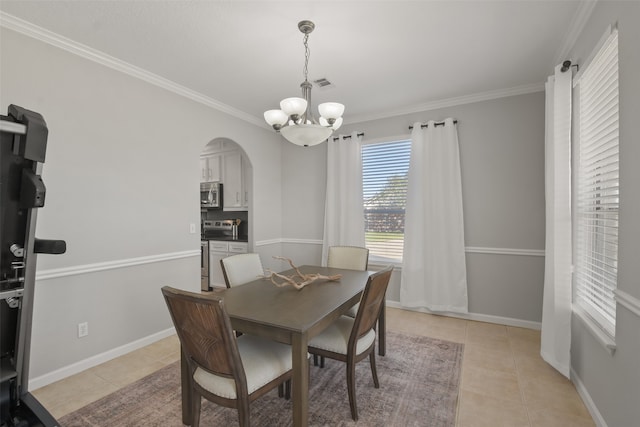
(291, 316)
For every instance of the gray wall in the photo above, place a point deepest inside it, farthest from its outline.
(122, 174)
(502, 159)
(613, 381)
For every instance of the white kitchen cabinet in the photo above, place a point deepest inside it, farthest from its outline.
(246, 181)
(210, 168)
(219, 250)
(232, 177)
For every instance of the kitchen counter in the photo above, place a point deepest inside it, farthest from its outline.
(224, 238)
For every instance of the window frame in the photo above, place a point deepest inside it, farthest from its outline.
(598, 311)
(374, 257)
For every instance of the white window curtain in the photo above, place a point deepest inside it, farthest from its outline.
(556, 308)
(434, 274)
(344, 212)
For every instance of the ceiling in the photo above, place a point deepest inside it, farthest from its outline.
(383, 58)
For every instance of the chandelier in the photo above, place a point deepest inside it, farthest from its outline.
(294, 120)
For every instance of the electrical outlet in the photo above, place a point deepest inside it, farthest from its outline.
(192, 228)
(83, 329)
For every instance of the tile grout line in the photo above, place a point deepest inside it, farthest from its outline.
(462, 368)
(519, 378)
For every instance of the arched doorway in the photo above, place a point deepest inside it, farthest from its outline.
(226, 229)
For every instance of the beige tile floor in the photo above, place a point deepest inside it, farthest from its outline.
(504, 380)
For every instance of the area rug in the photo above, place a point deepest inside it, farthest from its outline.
(419, 380)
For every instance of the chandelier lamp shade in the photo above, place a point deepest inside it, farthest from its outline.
(295, 120)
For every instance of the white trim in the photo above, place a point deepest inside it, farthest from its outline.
(598, 333)
(112, 265)
(82, 365)
(628, 301)
(268, 242)
(504, 251)
(130, 262)
(387, 139)
(507, 321)
(579, 20)
(586, 399)
(450, 102)
(24, 27)
(468, 249)
(289, 240)
(302, 241)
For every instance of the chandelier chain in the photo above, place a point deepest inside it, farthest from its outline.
(307, 53)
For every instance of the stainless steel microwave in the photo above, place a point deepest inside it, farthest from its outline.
(211, 195)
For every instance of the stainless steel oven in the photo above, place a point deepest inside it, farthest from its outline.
(211, 195)
(204, 265)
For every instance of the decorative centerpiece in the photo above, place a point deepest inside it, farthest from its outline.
(298, 280)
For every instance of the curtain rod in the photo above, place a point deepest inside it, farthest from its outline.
(335, 138)
(426, 125)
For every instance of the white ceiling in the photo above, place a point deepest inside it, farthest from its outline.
(383, 57)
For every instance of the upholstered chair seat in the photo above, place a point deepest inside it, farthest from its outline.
(336, 337)
(263, 361)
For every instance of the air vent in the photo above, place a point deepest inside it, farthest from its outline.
(323, 83)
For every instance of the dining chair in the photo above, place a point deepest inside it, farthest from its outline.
(349, 258)
(226, 370)
(350, 339)
(240, 269)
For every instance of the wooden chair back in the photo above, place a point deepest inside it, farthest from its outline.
(205, 333)
(370, 304)
(348, 257)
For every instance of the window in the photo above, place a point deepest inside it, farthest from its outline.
(597, 189)
(384, 183)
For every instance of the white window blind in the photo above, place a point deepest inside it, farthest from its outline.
(384, 185)
(597, 188)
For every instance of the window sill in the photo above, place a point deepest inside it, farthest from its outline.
(603, 338)
(381, 262)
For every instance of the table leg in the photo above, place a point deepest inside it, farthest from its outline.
(186, 390)
(382, 330)
(300, 361)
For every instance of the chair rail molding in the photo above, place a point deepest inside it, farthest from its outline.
(467, 249)
(112, 265)
(289, 240)
(503, 251)
(628, 301)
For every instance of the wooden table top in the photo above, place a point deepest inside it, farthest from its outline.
(290, 309)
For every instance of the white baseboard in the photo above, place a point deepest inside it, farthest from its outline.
(586, 398)
(67, 371)
(507, 321)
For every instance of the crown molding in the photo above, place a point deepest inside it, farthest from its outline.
(450, 102)
(579, 20)
(31, 30)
